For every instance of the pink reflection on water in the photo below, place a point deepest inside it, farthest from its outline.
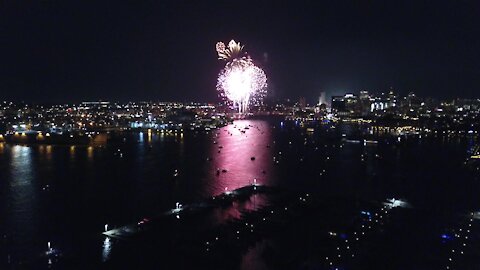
(234, 148)
(234, 211)
(253, 258)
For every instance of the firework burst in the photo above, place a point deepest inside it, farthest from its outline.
(241, 82)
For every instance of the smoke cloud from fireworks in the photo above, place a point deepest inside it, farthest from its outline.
(240, 81)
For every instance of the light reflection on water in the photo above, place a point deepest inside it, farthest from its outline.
(22, 197)
(234, 211)
(72, 153)
(253, 257)
(107, 249)
(49, 152)
(90, 153)
(149, 136)
(234, 152)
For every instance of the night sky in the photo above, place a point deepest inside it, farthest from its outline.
(69, 51)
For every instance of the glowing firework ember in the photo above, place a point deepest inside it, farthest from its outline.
(241, 81)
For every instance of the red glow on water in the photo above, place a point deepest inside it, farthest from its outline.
(241, 155)
(234, 211)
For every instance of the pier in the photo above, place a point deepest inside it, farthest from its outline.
(182, 211)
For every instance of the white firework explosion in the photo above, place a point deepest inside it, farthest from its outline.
(240, 81)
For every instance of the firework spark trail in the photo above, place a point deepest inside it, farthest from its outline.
(240, 81)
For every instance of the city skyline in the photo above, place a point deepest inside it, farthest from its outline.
(69, 51)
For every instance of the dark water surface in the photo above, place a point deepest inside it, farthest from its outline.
(65, 195)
